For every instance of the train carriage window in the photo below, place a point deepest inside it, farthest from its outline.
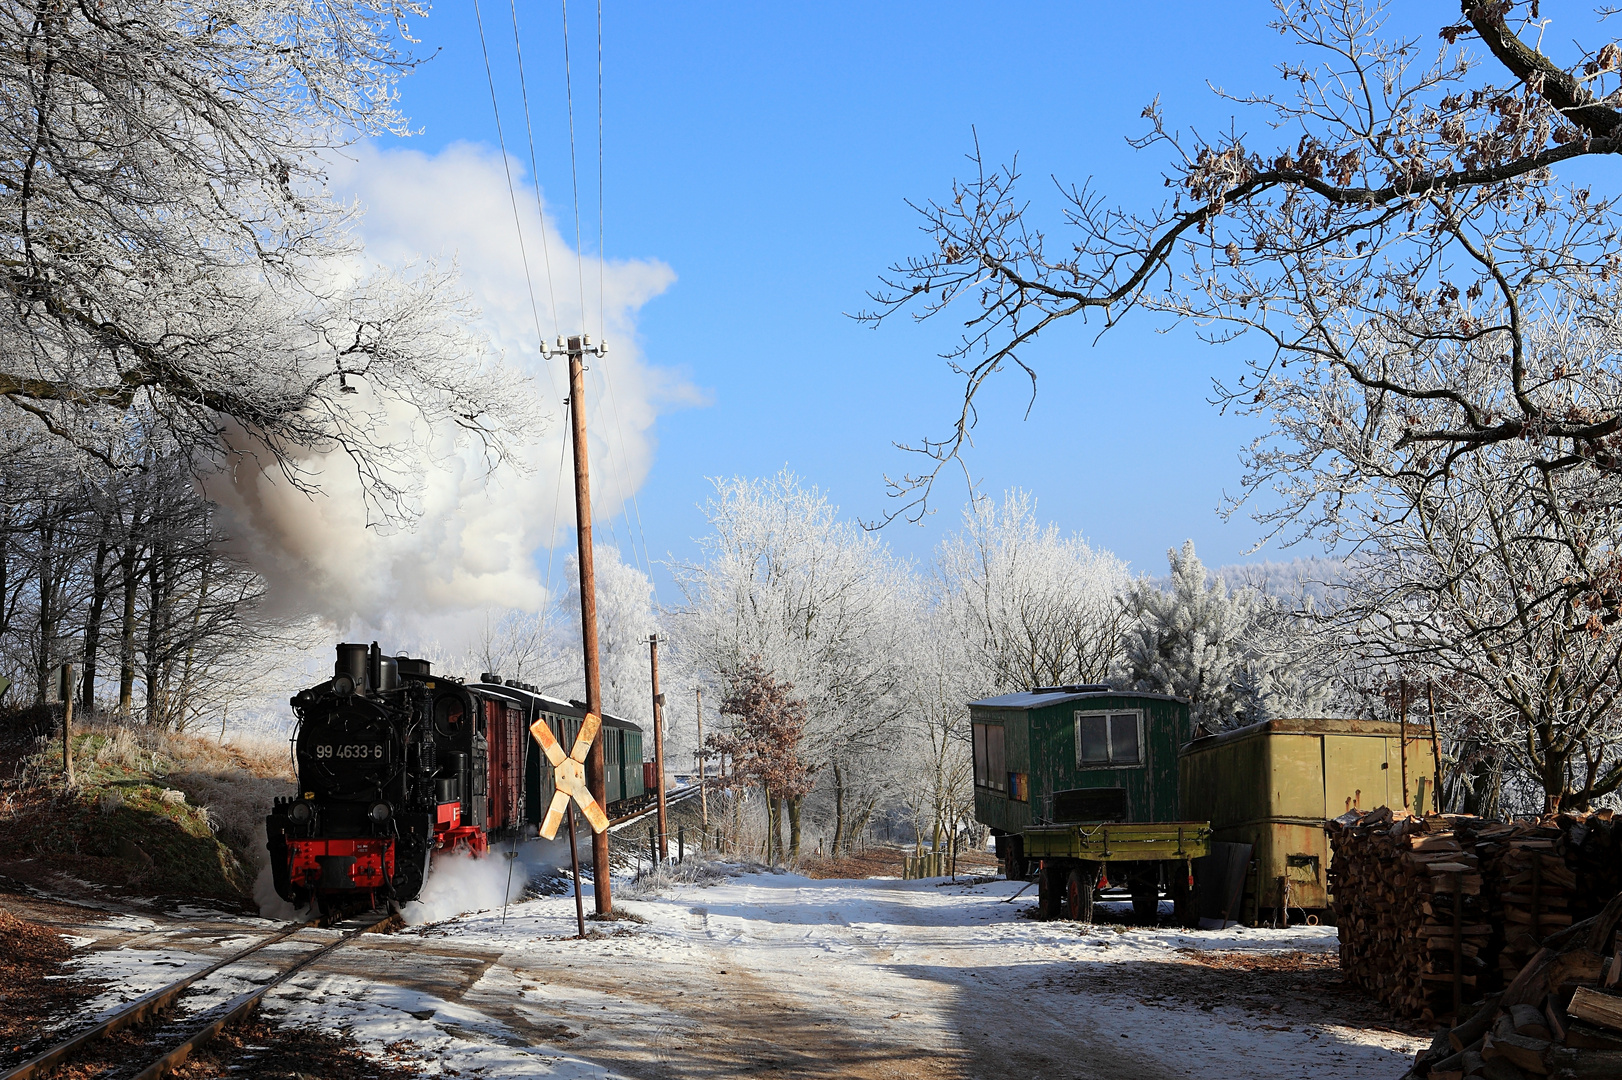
(990, 760)
(1109, 740)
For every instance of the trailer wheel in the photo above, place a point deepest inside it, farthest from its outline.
(1144, 883)
(1078, 892)
(1015, 865)
(1048, 895)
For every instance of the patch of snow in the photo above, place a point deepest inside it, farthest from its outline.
(917, 969)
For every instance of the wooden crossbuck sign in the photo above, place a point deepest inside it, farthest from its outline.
(569, 775)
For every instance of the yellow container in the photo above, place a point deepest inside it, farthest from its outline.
(1274, 785)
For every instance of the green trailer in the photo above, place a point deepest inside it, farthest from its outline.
(1082, 782)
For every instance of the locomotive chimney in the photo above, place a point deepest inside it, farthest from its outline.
(388, 674)
(352, 664)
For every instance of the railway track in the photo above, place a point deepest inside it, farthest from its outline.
(649, 804)
(176, 1041)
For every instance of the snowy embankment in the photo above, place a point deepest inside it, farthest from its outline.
(844, 978)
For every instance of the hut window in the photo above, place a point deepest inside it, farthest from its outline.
(1109, 740)
(990, 762)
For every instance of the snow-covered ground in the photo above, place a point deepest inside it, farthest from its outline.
(779, 973)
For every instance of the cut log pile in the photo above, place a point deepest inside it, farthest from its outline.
(1408, 901)
(1560, 1017)
(1532, 888)
(1436, 912)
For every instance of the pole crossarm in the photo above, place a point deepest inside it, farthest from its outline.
(569, 775)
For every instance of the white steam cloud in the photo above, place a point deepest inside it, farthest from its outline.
(476, 540)
(459, 883)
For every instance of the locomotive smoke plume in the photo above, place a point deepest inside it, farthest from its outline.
(458, 884)
(475, 541)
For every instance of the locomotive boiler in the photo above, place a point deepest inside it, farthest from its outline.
(395, 763)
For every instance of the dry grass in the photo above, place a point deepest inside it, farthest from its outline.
(117, 813)
(232, 782)
(694, 871)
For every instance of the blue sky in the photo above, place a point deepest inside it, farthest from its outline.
(765, 153)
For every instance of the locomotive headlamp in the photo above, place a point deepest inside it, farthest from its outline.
(343, 684)
(300, 812)
(381, 812)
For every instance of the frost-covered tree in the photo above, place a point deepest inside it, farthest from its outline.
(527, 646)
(1399, 192)
(1232, 654)
(170, 256)
(625, 617)
(763, 743)
(1493, 579)
(934, 759)
(1032, 606)
(821, 602)
(543, 647)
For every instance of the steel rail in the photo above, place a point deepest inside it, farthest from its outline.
(151, 1004)
(243, 1004)
(140, 1009)
(637, 815)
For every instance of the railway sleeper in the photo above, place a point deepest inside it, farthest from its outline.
(174, 1039)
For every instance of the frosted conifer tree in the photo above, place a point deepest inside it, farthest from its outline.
(1233, 655)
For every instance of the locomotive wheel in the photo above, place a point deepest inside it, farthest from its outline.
(1145, 887)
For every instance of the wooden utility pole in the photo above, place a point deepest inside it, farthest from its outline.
(67, 722)
(703, 795)
(1403, 698)
(659, 746)
(596, 782)
(1436, 749)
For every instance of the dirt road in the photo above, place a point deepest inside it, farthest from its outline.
(782, 976)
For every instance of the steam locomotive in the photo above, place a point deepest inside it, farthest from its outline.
(395, 764)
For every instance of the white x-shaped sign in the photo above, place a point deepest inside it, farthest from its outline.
(569, 775)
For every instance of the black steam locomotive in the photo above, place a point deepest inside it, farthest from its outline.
(395, 763)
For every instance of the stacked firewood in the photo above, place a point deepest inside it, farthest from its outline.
(1410, 910)
(1530, 887)
(1591, 846)
(1561, 1016)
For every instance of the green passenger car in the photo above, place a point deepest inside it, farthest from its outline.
(622, 760)
(1085, 779)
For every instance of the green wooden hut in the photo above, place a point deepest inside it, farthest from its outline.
(1027, 746)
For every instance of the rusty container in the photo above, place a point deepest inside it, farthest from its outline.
(1275, 784)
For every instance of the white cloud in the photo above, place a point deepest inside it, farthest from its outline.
(476, 541)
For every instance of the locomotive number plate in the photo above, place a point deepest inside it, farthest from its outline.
(351, 751)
